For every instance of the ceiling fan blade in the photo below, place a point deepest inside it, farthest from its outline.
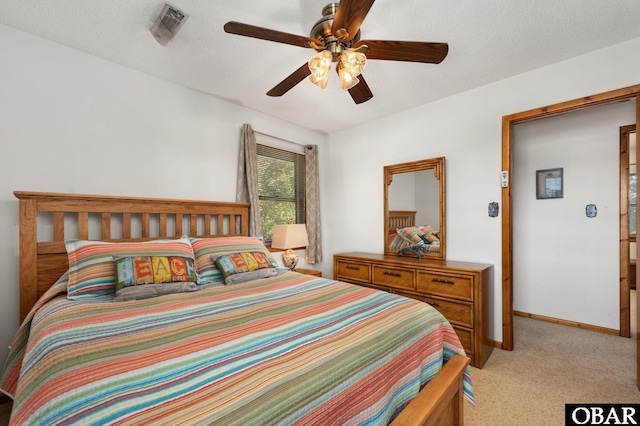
(410, 51)
(360, 92)
(247, 30)
(288, 83)
(349, 16)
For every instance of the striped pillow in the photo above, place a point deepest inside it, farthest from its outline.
(205, 248)
(91, 268)
(415, 234)
(397, 242)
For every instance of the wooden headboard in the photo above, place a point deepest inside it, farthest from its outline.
(47, 220)
(400, 219)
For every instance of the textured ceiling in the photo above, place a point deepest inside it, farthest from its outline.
(488, 40)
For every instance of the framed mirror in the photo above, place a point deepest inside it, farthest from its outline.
(414, 202)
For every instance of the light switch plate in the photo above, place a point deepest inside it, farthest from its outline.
(504, 178)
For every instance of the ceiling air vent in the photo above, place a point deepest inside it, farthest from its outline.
(167, 24)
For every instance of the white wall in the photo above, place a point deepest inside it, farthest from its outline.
(466, 129)
(566, 265)
(70, 122)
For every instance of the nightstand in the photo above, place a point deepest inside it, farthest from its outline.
(309, 272)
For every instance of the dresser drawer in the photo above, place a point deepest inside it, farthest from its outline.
(353, 271)
(457, 313)
(394, 277)
(466, 338)
(459, 287)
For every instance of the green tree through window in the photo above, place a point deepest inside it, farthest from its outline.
(280, 188)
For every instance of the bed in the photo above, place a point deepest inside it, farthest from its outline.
(404, 233)
(401, 219)
(280, 349)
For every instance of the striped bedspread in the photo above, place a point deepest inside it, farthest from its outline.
(291, 349)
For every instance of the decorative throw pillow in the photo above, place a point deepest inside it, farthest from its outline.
(140, 270)
(236, 263)
(244, 277)
(91, 270)
(397, 242)
(205, 248)
(414, 234)
(146, 291)
(431, 237)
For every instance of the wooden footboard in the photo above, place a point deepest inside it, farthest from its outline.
(441, 401)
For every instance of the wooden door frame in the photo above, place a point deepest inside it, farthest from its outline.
(625, 239)
(508, 121)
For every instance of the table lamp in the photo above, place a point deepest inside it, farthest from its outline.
(288, 237)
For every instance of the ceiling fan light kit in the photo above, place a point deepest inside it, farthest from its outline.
(336, 36)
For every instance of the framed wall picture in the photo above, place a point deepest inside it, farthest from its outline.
(549, 184)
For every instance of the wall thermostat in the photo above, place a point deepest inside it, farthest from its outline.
(493, 209)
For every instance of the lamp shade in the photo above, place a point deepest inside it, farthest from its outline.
(290, 236)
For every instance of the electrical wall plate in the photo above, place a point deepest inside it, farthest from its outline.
(504, 178)
(493, 209)
(591, 210)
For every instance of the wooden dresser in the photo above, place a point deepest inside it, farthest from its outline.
(461, 291)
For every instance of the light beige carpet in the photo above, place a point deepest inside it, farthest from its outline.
(552, 365)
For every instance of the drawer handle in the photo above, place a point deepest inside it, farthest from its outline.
(393, 274)
(355, 268)
(442, 281)
(434, 304)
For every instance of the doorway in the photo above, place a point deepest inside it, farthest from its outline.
(629, 93)
(566, 245)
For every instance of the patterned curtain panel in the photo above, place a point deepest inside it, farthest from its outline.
(314, 250)
(247, 187)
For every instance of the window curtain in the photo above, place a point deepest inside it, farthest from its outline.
(312, 188)
(247, 185)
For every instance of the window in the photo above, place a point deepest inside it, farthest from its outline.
(281, 182)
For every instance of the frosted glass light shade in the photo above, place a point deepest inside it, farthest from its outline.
(347, 80)
(353, 62)
(320, 65)
(350, 67)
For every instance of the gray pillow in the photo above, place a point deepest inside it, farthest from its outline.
(244, 277)
(139, 292)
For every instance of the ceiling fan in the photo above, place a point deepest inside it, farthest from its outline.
(336, 36)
